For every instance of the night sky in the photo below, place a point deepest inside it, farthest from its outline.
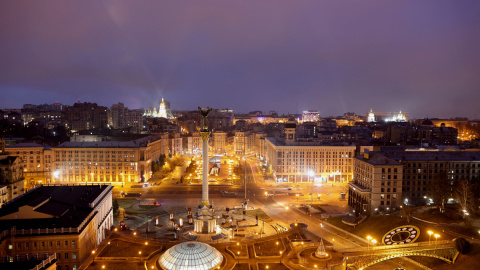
(332, 56)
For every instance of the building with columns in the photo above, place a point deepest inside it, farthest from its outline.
(114, 162)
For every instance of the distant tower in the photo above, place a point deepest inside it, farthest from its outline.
(290, 127)
(371, 116)
(162, 112)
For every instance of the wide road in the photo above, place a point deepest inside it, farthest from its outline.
(170, 193)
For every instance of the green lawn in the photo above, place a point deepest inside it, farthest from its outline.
(253, 213)
(126, 203)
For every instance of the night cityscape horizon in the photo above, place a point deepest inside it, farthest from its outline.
(239, 135)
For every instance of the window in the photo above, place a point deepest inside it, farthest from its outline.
(74, 255)
(73, 243)
(10, 246)
(58, 243)
(66, 243)
(382, 196)
(66, 255)
(74, 267)
(50, 244)
(394, 196)
(66, 267)
(42, 244)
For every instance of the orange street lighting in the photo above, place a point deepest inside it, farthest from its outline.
(146, 243)
(429, 236)
(139, 252)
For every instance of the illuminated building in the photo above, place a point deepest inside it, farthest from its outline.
(292, 161)
(68, 220)
(36, 161)
(163, 111)
(310, 116)
(11, 175)
(194, 144)
(371, 116)
(114, 162)
(387, 116)
(219, 141)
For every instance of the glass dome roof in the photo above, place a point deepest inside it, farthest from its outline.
(191, 256)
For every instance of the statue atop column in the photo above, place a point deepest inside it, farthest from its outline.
(204, 112)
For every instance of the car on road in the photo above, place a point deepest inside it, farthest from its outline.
(289, 188)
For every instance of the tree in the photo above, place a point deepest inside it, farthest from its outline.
(441, 190)
(462, 245)
(464, 194)
(115, 206)
(407, 212)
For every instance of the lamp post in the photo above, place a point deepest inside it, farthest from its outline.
(93, 254)
(280, 258)
(245, 180)
(311, 174)
(436, 239)
(369, 238)
(333, 244)
(429, 236)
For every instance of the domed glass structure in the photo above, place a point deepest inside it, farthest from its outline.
(191, 256)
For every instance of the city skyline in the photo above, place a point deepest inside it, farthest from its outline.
(327, 56)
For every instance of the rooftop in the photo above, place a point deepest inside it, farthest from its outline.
(433, 155)
(51, 207)
(377, 158)
(277, 142)
(110, 144)
(24, 145)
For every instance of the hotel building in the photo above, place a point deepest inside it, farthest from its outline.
(293, 161)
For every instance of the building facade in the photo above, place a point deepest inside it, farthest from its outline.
(112, 162)
(68, 220)
(377, 184)
(293, 162)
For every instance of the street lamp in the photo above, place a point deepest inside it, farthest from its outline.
(333, 244)
(280, 259)
(311, 174)
(369, 238)
(93, 254)
(436, 239)
(429, 236)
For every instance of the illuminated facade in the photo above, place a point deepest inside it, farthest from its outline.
(113, 162)
(310, 116)
(11, 175)
(371, 116)
(36, 161)
(163, 111)
(292, 163)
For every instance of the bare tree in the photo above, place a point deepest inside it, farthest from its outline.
(464, 194)
(441, 190)
(407, 211)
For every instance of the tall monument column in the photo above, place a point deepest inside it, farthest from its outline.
(205, 133)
